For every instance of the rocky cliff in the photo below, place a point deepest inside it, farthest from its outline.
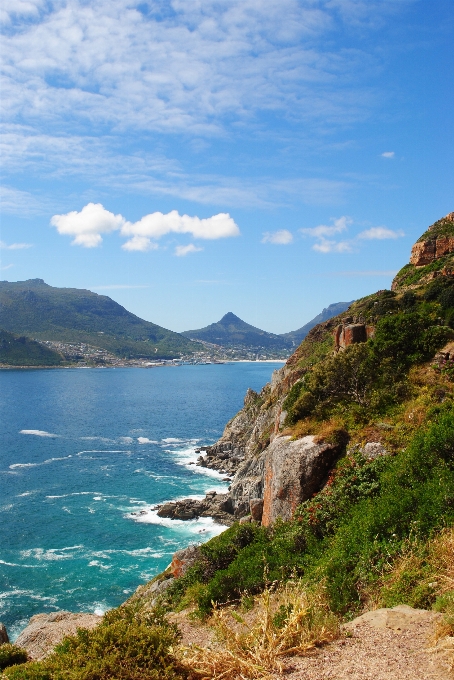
(279, 447)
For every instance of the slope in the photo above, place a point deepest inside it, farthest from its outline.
(231, 331)
(334, 309)
(35, 309)
(21, 351)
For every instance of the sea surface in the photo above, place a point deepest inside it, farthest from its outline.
(85, 456)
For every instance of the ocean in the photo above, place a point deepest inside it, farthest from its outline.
(85, 456)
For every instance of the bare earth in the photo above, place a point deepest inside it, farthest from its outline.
(386, 644)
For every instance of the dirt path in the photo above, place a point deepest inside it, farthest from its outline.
(379, 648)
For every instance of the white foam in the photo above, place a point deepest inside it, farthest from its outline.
(126, 440)
(145, 440)
(38, 433)
(203, 525)
(81, 453)
(44, 462)
(52, 554)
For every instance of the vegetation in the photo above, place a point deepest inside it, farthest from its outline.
(11, 655)
(35, 309)
(21, 351)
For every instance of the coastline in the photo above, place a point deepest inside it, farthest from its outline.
(9, 367)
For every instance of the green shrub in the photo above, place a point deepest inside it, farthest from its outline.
(11, 655)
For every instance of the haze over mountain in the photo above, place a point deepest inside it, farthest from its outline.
(35, 309)
(231, 331)
(332, 310)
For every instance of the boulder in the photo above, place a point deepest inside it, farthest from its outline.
(183, 559)
(45, 631)
(4, 639)
(345, 335)
(373, 450)
(398, 618)
(293, 472)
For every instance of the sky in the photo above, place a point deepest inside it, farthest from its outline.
(190, 158)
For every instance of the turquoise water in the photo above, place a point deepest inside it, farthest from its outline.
(85, 456)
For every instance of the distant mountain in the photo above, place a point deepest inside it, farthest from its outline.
(35, 309)
(21, 351)
(296, 337)
(231, 331)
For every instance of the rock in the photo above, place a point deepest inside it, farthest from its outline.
(351, 334)
(45, 631)
(256, 508)
(423, 252)
(398, 618)
(246, 520)
(373, 450)
(4, 639)
(219, 506)
(293, 472)
(183, 559)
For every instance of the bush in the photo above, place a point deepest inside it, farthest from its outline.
(11, 655)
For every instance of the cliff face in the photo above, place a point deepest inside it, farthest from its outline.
(284, 442)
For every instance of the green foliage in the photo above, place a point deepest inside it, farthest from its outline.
(21, 351)
(129, 644)
(11, 655)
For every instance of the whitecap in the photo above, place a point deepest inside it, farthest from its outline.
(126, 440)
(145, 440)
(39, 433)
(44, 462)
(203, 525)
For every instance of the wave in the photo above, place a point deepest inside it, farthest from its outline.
(44, 462)
(203, 525)
(145, 440)
(39, 433)
(51, 554)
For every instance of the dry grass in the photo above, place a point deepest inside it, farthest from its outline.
(282, 623)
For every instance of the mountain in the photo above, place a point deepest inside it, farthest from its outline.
(231, 331)
(35, 309)
(21, 351)
(332, 310)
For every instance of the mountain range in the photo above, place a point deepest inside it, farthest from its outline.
(72, 315)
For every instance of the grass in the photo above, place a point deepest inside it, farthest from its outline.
(281, 623)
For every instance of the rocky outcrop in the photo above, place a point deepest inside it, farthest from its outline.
(45, 631)
(293, 472)
(351, 333)
(4, 639)
(215, 505)
(433, 245)
(182, 560)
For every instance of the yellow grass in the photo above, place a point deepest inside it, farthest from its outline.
(282, 623)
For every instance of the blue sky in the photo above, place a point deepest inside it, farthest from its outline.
(190, 158)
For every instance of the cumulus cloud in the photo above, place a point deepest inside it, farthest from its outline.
(15, 246)
(87, 225)
(157, 224)
(322, 231)
(380, 233)
(327, 246)
(281, 237)
(388, 154)
(181, 251)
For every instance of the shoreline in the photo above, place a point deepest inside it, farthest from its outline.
(9, 367)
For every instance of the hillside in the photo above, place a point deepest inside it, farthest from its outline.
(21, 351)
(342, 501)
(298, 336)
(231, 331)
(35, 309)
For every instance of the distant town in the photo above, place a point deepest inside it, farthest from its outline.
(83, 355)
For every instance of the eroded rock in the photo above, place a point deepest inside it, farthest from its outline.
(398, 618)
(4, 639)
(183, 559)
(45, 631)
(293, 472)
(216, 505)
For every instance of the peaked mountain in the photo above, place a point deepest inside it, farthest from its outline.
(231, 331)
(332, 310)
(35, 309)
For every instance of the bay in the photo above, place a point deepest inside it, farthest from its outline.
(85, 456)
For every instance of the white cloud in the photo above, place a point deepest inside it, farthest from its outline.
(7, 266)
(182, 251)
(15, 246)
(157, 225)
(281, 237)
(388, 154)
(140, 243)
(327, 246)
(87, 225)
(380, 233)
(340, 224)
